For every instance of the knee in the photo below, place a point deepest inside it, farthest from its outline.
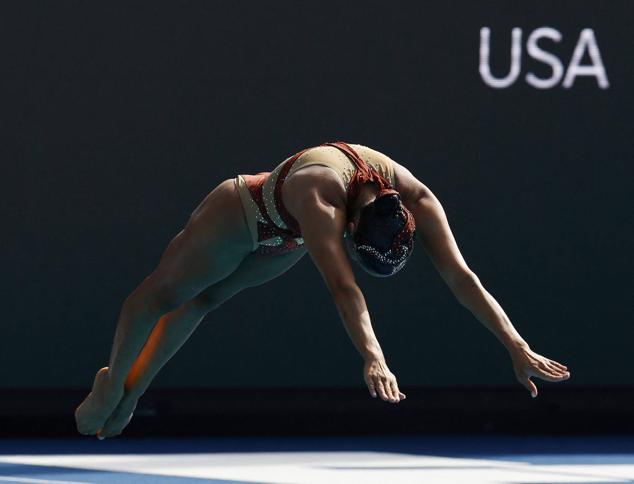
(157, 299)
(207, 301)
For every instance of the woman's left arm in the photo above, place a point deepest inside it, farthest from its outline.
(433, 231)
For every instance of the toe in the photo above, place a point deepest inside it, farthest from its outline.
(115, 427)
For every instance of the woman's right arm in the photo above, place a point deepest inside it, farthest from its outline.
(322, 220)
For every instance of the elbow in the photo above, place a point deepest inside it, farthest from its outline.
(463, 285)
(344, 291)
(349, 302)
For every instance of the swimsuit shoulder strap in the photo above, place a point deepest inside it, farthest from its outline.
(286, 217)
(364, 172)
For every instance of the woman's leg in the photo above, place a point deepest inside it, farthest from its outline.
(174, 329)
(214, 242)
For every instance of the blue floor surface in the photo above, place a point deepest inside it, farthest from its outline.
(579, 459)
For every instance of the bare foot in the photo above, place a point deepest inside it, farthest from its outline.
(93, 412)
(120, 418)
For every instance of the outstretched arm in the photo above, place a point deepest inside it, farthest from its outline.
(434, 233)
(322, 219)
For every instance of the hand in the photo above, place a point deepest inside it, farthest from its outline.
(381, 381)
(527, 363)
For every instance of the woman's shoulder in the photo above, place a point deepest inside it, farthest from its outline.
(312, 183)
(371, 154)
(380, 161)
(321, 153)
(325, 152)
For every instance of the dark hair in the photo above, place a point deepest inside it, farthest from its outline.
(384, 238)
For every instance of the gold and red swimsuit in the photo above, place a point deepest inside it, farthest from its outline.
(273, 229)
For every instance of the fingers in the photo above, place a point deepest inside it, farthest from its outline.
(558, 365)
(381, 381)
(540, 367)
(372, 388)
(387, 389)
(558, 370)
(530, 386)
(562, 374)
(550, 376)
(381, 388)
(549, 372)
(395, 391)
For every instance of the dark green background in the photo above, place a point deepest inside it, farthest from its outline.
(119, 117)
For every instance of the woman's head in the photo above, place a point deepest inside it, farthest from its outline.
(380, 235)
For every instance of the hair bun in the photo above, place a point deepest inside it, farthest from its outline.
(387, 204)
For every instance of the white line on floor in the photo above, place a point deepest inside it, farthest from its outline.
(39, 481)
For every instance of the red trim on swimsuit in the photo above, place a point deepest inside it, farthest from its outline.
(363, 173)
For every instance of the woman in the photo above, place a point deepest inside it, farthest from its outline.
(333, 201)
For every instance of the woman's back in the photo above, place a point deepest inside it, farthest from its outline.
(336, 160)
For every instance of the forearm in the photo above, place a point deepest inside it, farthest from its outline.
(473, 296)
(356, 318)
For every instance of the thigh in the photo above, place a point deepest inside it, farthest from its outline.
(254, 270)
(213, 244)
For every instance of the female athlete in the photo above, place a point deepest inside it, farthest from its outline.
(336, 201)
